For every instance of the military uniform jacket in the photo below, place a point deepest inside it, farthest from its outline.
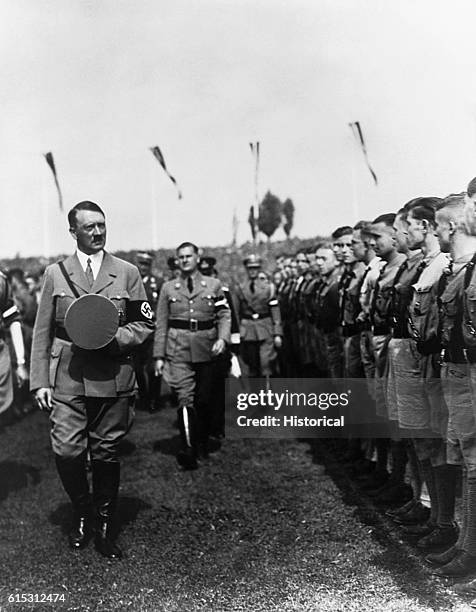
(327, 302)
(69, 370)
(380, 313)
(349, 295)
(259, 313)
(401, 294)
(451, 310)
(206, 303)
(423, 315)
(469, 313)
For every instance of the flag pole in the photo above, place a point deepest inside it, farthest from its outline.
(353, 171)
(153, 205)
(45, 215)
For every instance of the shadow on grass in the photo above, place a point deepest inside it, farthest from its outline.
(126, 447)
(167, 446)
(407, 570)
(15, 476)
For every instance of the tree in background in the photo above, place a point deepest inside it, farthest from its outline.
(269, 215)
(288, 214)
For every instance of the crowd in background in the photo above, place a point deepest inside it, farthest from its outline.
(391, 300)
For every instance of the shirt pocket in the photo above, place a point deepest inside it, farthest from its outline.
(469, 326)
(62, 302)
(207, 306)
(177, 306)
(422, 302)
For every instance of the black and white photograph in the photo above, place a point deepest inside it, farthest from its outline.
(238, 305)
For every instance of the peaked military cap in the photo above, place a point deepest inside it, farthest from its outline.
(144, 256)
(207, 265)
(252, 261)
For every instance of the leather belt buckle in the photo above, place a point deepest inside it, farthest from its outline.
(193, 325)
(255, 316)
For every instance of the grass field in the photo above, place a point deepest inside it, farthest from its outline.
(261, 526)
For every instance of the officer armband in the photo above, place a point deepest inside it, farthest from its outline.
(220, 303)
(139, 310)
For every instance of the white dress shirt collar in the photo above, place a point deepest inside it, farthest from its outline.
(96, 261)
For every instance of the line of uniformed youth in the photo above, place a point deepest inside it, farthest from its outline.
(394, 300)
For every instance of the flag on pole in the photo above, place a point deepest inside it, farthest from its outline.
(51, 163)
(234, 225)
(252, 222)
(254, 146)
(157, 153)
(357, 131)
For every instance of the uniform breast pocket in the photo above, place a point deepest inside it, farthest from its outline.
(208, 305)
(470, 296)
(176, 306)
(450, 306)
(469, 328)
(62, 303)
(422, 302)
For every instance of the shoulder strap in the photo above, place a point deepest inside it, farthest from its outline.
(67, 279)
(469, 271)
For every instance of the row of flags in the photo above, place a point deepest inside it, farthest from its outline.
(156, 152)
(255, 151)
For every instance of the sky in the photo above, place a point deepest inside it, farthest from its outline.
(98, 82)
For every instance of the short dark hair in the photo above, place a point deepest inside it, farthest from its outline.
(423, 208)
(387, 219)
(187, 244)
(344, 230)
(85, 205)
(362, 225)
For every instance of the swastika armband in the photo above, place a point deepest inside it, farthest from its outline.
(139, 310)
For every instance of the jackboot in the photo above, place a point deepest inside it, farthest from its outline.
(73, 475)
(106, 476)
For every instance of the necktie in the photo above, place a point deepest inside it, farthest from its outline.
(89, 273)
(190, 284)
(252, 286)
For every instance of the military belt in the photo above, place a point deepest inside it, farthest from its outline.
(401, 331)
(381, 330)
(191, 324)
(460, 355)
(256, 315)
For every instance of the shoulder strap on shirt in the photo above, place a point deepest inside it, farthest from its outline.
(469, 271)
(68, 280)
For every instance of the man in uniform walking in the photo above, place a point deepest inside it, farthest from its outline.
(90, 393)
(193, 328)
(260, 321)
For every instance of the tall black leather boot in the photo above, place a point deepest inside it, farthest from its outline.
(106, 476)
(187, 456)
(73, 475)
